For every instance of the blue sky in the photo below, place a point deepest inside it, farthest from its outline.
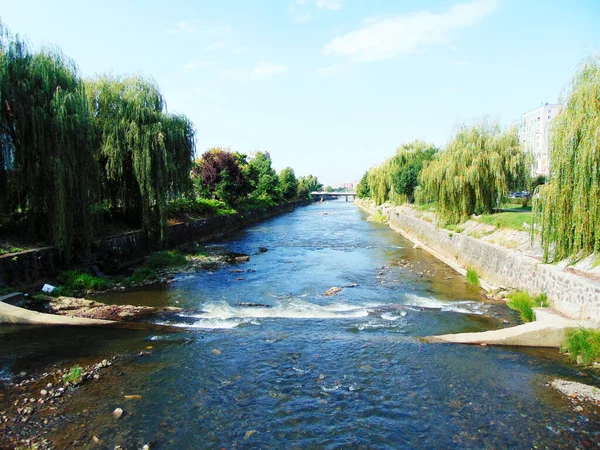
(328, 87)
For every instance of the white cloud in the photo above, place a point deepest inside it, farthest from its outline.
(198, 63)
(456, 62)
(302, 17)
(214, 47)
(218, 31)
(185, 26)
(261, 71)
(393, 37)
(199, 26)
(301, 9)
(329, 4)
(267, 70)
(240, 50)
(331, 70)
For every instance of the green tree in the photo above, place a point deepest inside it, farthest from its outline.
(396, 179)
(362, 188)
(266, 181)
(568, 207)
(329, 189)
(46, 131)
(145, 153)
(310, 183)
(408, 162)
(475, 172)
(288, 183)
(217, 174)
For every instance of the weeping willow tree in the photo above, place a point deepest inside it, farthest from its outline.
(475, 172)
(397, 178)
(568, 206)
(145, 153)
(46, 133)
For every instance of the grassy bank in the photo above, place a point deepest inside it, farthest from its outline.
(514, 218)
(583, 346)
(523, 303)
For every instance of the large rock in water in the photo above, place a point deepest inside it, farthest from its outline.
(333, 291)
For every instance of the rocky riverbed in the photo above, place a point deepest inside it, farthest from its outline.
(90, 309)
(578, 392)
(30, 406)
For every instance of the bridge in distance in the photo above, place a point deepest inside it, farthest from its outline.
(321, 196)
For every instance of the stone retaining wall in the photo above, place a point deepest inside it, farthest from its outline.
(114, 253)
(575, 296)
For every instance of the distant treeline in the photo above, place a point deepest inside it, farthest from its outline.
(472, 175)
(75, 153)
(483, 163)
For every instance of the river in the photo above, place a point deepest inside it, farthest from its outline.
(311, 371)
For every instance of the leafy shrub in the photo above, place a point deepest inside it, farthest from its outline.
(455, 228)
(78, 280)
(199, 206)
(74, 376)
(541, 300)
(257, 203)
(141, 274)
(62, 291)
(161, 260)
(585, 343)
(523, 303)
(472, 277)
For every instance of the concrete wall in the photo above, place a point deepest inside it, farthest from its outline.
(575, 296)
(114, 253)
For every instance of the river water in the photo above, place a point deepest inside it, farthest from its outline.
(312, 371)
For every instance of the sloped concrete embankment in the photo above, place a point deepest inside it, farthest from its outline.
(549, 330)
(574, 296)
(82, 312)
(15, 315)
(114, 253)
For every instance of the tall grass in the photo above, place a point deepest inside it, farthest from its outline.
(585, 343)
(472, 277)
(199, 206)
(522, 302)
(79, 280)
(160, 260)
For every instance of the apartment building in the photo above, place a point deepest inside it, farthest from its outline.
(534, 133)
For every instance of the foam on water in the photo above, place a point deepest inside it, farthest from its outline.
(211, 324)
(222, 315)
(5, 374)
(461, 307)
(389, 316)
(292, 309)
